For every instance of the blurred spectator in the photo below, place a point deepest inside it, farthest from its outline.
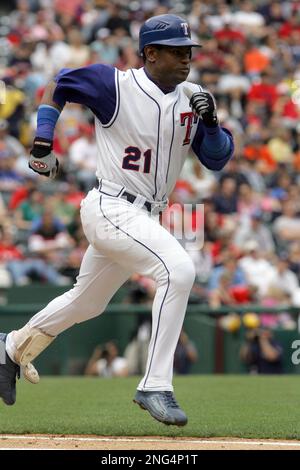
(203, 262)
(229, 265)
(106, 362)
(225, 199)
(3, 211)
(248, 201)
(248, 19)
(228, 293)
(21, 193)
(62, 209)
(257, 150)
(83, 153)
(287, 226)
(141, 291)
(261, 353)
(136, 351)
(105, 48)
(253, 228)
(294, 258)
(280, 146)
(8, 143)
(29, 210)
(49, 239)
(79, 52)
(9, 177)
(22, 268)
(185, 354)
(233, 171)
(257, 269)
(12, 109)
(284, 279)
(71, 264)
(203, 182)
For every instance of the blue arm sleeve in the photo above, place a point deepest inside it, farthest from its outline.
(47, 117)
(213, 146)
(93, 86)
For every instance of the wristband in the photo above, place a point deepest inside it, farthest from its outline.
(47, 117)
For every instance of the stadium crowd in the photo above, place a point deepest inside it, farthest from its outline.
(250, 61)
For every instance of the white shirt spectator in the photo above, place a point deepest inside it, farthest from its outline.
(229, 82)
(286, 281)
(247, 19)
(83, 153)
(259, 272)
(118, 365)
(60, 54)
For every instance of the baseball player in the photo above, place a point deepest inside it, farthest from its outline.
(146, 121)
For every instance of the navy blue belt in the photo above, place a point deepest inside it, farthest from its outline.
(129, 197)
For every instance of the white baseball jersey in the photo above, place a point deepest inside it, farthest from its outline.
(144, 138)
(148, 137)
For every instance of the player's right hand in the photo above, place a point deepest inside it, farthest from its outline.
(42, 160)
(204, 105)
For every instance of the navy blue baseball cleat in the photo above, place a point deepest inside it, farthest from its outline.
(161, 406)
(9, 371)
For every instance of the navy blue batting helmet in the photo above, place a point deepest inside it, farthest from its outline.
(167, 30)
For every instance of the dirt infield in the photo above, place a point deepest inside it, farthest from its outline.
(139, 443)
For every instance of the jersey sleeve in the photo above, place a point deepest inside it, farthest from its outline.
(93, 86)
(213, 147)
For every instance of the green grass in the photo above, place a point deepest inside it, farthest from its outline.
(240, 406)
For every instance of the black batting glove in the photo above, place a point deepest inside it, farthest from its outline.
(204, 105)
(42, 160)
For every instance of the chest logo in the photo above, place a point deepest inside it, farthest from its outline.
(187, 120)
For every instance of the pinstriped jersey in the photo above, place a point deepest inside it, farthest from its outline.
(144, 145)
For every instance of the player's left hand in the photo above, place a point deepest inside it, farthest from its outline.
(204, 105)
(42, 160)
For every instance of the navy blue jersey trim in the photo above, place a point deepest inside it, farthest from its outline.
(167, 289)
(115, 115)
(158, 132)
(171, 144)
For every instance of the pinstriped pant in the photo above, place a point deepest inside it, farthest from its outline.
(125, 239)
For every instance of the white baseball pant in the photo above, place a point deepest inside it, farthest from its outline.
(125, 239)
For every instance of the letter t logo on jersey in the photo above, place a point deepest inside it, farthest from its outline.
(188, 119)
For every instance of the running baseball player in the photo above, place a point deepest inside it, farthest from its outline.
(146, 121)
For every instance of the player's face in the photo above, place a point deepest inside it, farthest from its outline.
(170, 65)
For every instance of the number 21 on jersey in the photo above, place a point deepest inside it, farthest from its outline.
(136, 161)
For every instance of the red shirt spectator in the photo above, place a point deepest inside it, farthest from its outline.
(288, 28)
(227, 35)
(265, 92)
(8, 251)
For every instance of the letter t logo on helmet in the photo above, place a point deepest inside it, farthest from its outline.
(186, 29)
(167, 30)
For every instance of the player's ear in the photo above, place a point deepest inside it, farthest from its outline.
(150, 53)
